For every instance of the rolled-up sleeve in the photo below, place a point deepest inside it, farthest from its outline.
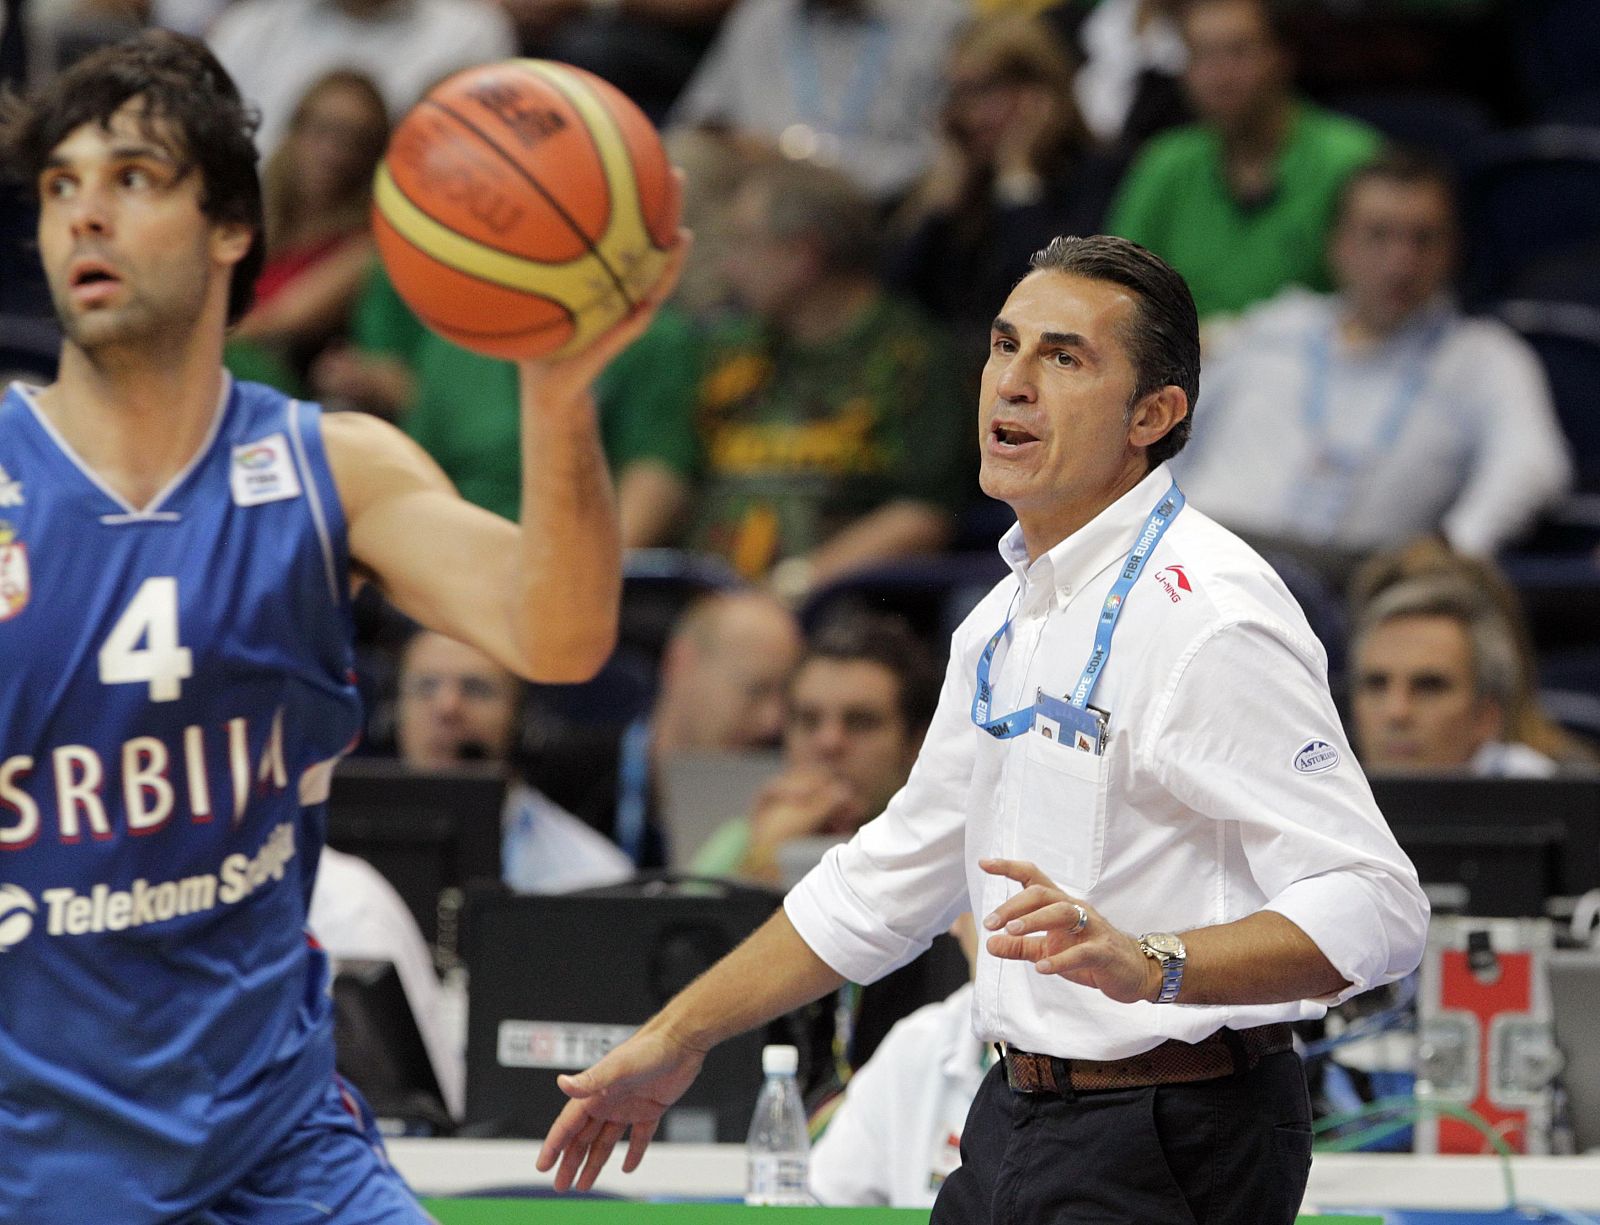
(1249, 735)
(874, 903)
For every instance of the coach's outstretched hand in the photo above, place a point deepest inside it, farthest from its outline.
(626, 1092)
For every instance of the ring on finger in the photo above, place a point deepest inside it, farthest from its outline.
(1083, 919)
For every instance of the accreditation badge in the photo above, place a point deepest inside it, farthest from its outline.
(14, 585)
(1074, 727)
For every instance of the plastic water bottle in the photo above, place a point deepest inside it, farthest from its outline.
(778, 1151)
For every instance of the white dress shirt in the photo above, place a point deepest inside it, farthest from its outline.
(1227, 786)
(897, 1135)
(1446, 426)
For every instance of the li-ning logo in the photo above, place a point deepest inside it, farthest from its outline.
(1174, 581)
(16, 915)
(1315, 757)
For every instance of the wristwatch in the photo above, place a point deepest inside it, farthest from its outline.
(1167, 951)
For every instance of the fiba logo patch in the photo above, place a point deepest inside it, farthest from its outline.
(16, 915)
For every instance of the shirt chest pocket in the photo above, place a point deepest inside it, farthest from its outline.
(1061, 817)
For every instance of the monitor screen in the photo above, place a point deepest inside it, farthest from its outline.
(557, 980)
(1423, 808)
(426, 831)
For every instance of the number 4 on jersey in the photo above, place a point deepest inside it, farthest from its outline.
(151, 618)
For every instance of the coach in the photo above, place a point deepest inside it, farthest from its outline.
(1136, 778)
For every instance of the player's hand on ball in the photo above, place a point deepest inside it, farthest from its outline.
(1041, 924)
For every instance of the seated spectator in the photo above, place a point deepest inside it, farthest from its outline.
(1356, 421)
(852, 84)
(1434, 679)
(1241, 201)
(1016, 168)
(1429, 557)
(858, 706)
(463, 410)
(275, 49)
(722, 680)
(456, 704)
(830, 432)
(1129, 82)
(895, 1134)
(317, 194)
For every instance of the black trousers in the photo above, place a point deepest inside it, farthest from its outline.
(1231, 1151)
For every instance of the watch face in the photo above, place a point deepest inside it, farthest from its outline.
(1165, 943)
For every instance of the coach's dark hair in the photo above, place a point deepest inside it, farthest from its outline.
(180, 83)
(1162, 338)
(889, 642)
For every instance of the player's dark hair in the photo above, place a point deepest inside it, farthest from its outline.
(889, 642)
(182, 86)
(1162, 338)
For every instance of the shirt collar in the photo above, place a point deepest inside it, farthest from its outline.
(1103, 540)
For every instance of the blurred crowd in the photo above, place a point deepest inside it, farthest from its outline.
(1389, 214)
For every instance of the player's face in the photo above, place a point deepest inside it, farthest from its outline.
(455, 704)
(1054, 439)
(844, 716)
(129, 255)
(1416, 705)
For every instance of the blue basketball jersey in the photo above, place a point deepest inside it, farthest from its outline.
(175, 686)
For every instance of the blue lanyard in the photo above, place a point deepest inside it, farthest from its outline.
(1319, 360)
(633, 788)
(856, 101)
(1019, 721)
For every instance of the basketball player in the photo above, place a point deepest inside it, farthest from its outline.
(176, 560)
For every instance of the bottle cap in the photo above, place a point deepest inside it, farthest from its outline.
(779, 1060)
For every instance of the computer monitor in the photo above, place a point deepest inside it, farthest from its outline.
(1481, 869)
(556, 981)
(426, 831)
(1421, 802)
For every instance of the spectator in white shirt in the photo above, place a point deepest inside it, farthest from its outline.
(850, 84)
(1194, 780)
(275, 49)
(894, 1134)
(456, 704)
(1436, 674)
(1352, 422)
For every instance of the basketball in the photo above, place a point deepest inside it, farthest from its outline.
(524, 207)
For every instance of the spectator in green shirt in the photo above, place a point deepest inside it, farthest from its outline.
(1241, 202)
(462, 409)
(831, 431)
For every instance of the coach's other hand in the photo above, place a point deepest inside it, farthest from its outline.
(1063, 935)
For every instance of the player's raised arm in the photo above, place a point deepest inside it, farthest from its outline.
(541, 596)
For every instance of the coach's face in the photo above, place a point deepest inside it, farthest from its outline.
(1058, 440)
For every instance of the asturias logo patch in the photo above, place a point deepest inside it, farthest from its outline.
(1315, 757)
(16, 915)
